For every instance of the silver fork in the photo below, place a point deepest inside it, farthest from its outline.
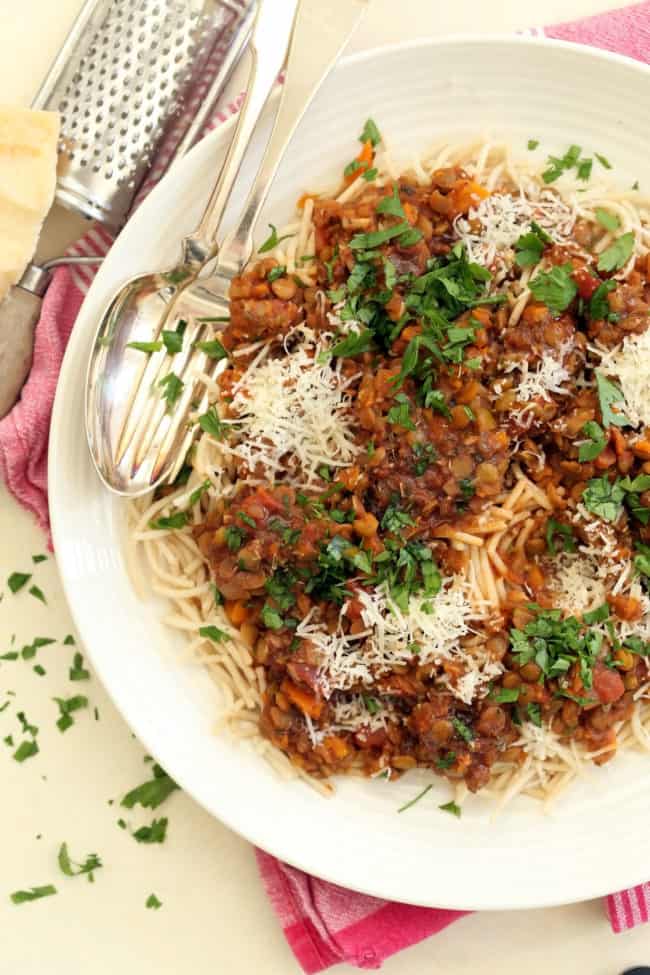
(137, 441)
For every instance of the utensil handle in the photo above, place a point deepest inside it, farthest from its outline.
(270, 39)
(322, 30)
(20, 312)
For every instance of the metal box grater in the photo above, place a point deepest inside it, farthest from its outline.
(125, 73)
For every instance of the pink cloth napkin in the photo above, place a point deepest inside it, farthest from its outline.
(324, 924)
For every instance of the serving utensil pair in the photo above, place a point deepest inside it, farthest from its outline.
(137, 440)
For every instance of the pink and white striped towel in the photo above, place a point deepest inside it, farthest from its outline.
(324, 924)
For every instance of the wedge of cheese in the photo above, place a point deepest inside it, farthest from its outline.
(28, 158)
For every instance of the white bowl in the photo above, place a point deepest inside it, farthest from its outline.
(598, 838)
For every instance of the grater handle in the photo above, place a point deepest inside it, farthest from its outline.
(20, 312)
(321, 33)
(269, 42)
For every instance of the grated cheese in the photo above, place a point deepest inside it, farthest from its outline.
(429, 632)
(503, 218)
(546, 379)
(293, 412)
(630, 364)
(578, 583)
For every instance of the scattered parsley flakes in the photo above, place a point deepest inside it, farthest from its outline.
(72, 869)
(33, 894)
(69, 641)
(210, 422)
(555, 288)
(39, 670)
(603, 161)
(532, 144)
(392, 205)
(608, 395)
(411, 802)
(462, 730)
(152, 834)
(607, 220)
(597, 442)
(152, 902)
(534, 714)
(370, 133)
(37, 593)
(77, 671)
(565, 532)
(26, 749)
(174, 340)
(599, 305)
(272, 240)
(504, 695)
(603, 498)
(213, 633)
(172, 387)
(147, 347)
(30, 649)
(617, 254)
(213, 349)
(152, 793)
(17, 580)
(67, 706)
(39, 558)
(451, 807)
(174, 522)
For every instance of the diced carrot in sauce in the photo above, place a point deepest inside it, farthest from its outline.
(306, 702)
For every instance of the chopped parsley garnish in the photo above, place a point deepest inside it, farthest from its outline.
(69, 641)
(67, 706)
(504, 695)
(555, 644)
(462, 730)
(152, 834)
(178, 520)
(73, 869)
(33, 894)
(211, 424)
(213, 349)
(425, 454)
(174, 340)
(642, 559)
(235, 537)
(400, 413)
(530, 246)
(595, 445)
(29, 651)
(152, 793)
(247, 519)
(411, 802)
(555, 288)
(534, 714)
(276, 272)
(451, 807)
(532, 144)
(26, 749)
(370, 133)
(617, 254)
(39, 670)
(147, 347)
(599, 305)
(198, 492)
(607, 220)
(152, 902)
(17, 580)
(172, 388)
(392, 205)
(372, 705)
(353, 344)
(603, 498)
(271, 618)
(378, 237)
(467, 489)
(272, 240)
(446, 761)
(584, 169)
(370, 174)
(609, 394)
(39, 558)
(603, 161)
(37, 593)
(555, 529)
(558, 165)
(213, 633)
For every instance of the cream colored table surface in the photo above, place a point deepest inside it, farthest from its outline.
(215, 917)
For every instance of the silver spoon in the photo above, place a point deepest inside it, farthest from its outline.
(137, 440)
